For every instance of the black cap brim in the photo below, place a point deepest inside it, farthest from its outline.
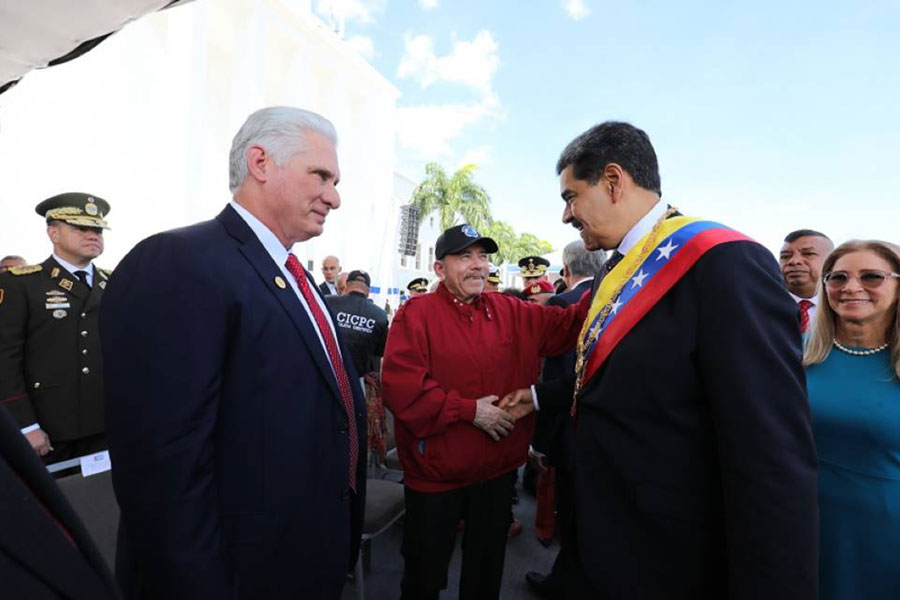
(490, 246)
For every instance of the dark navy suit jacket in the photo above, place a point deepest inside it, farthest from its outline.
(549, 432)
(695, 469)
(227, 433)
(45, 551)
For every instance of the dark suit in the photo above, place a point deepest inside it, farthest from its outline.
(50, 368)
(227, 432)
(45, 551)
(695, 471)
(326, 291)
(548, 434)
(553, 435)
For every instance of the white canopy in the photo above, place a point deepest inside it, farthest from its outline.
(39, 33)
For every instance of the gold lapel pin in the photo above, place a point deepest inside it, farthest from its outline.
(280, 282)
(65, 284)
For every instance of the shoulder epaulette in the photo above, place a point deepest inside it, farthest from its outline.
(27, 270)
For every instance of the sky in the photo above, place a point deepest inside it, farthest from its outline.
(768, 116)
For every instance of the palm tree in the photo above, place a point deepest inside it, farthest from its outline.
(511, 246)
(456, 199)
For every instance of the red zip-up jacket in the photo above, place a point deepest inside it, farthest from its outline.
(441, 356)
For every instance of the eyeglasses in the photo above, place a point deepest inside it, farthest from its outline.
(868, 278)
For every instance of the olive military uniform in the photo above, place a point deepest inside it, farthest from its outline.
(51, 374)
(50, 369)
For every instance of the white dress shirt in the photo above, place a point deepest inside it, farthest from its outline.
(72, 268)
(812, 309)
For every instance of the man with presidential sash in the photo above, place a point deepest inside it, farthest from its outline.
(694, 465)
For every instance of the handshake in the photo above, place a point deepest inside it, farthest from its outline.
(497, 419)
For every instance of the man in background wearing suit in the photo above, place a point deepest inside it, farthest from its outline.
(551, 446)
(235, 419)
(801, 259)
(695, 471)
(45, 551)
(331, 269)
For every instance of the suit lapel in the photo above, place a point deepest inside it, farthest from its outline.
(96, 290)
(269, 272)
(65, 280)
(34, 515)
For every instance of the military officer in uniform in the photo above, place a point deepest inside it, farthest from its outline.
(492, 283)
(534, 269)
(417, 286)
(51, 377)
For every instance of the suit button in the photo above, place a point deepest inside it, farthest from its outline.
(345, 495)
(84, 334)
(83, 315)
(84, 351)
(86, 371)
(37, 384)
(343, 430)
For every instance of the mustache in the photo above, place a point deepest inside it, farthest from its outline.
(576, 224)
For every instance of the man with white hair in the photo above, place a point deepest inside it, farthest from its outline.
(235, 417)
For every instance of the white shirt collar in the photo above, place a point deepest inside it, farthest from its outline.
(642, 227)
(72, 268)
(268, 239)
(797, 299)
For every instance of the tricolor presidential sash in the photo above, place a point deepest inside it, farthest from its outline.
(642, 277)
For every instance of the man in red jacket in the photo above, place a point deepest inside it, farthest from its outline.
(449, 356)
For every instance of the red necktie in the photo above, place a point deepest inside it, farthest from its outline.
(293, 265)
(805, 305)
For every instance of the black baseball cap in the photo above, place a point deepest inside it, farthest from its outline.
(458, 238)
(360, 276)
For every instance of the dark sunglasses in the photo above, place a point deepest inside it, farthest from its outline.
(868, 278)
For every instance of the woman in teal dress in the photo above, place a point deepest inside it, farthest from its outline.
(853, 377)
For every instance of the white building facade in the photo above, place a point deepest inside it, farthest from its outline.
(145, 121)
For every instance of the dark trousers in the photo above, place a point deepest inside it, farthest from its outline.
(565, 508)
(429, 535)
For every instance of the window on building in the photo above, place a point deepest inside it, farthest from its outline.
(431, 258)
(418, 257)
(403, 258)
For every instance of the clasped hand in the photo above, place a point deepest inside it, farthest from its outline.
(498, 420)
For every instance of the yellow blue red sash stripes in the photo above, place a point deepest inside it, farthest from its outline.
(679, 242)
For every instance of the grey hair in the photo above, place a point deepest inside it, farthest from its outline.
(277, 129)
(582, 262)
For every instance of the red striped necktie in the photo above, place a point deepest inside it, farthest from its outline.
(805, 305)
(293, 265)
